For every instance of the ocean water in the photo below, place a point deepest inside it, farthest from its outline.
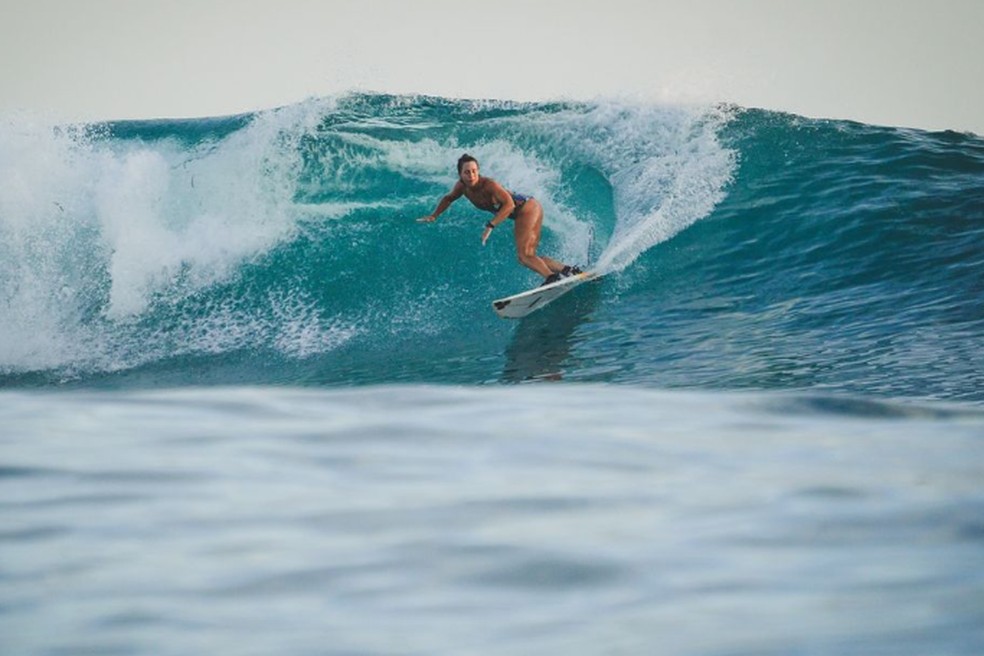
(249, 405)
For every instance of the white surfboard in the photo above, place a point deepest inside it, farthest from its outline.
(519, 305)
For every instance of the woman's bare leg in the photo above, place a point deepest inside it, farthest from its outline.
(529, 222)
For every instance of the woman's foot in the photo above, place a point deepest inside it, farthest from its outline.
(552, 278)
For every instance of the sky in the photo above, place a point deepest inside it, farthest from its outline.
(912, 63)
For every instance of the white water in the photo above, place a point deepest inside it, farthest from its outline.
(93, 230)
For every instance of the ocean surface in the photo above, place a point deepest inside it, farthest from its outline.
(248, 405)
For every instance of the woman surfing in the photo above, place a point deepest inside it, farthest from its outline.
(488, 195)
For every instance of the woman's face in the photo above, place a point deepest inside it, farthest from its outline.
(469, 174)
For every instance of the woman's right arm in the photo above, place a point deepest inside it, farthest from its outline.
(445, 203)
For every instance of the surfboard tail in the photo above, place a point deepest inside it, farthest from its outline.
(520, 305)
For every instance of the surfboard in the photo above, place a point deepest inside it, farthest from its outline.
(519, 305)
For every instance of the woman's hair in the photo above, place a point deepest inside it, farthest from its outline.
(464, 159)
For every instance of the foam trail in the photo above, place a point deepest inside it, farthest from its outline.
(672, 177)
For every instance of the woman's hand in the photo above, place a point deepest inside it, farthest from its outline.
(427, 219)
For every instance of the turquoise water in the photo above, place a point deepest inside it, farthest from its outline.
(747, 250)
(249, 405)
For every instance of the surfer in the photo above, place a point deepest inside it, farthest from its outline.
(487, 194)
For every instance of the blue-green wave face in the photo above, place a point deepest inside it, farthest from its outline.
(743, 249)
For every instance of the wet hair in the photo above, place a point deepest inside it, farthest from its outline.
(464, 159)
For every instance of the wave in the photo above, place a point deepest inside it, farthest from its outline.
(281, 245)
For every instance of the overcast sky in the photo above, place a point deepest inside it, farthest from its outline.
(917, 63)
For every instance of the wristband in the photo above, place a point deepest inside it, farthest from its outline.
(490, 225)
